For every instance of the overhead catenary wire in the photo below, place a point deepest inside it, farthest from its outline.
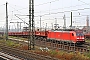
(41, 4)
(35, 5)
(48, 12)
(47, 2)
(84, 2)
(56, 12)
(21, 7)
(61, 8)
(61, 17)
(21, 19)
(15, 9)
(61, 12)
(18, 9)
(2, 5)
(55, 9)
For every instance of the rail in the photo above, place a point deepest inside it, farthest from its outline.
(24, 54)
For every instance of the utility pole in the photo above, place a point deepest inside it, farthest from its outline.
(46, 27)
(31, 39)
(64, 22)
(20, 26)
(87, 21)
(71, 19)
(56, 25)
(52, 25)
(40, 24)
(17, 27)
(6, 22)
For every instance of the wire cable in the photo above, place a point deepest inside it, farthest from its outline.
(62, 12)
(20, 7)
(84, 2)
(21, 19)
(46, 2)
(61, 8)
(60, 17)
(36, 5)
(2, 5)
(15, 9)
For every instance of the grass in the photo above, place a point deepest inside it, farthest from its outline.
(87, 54)
(12, 37)
(18, 38)
(87, 40)
(64, 55)
(10, 43)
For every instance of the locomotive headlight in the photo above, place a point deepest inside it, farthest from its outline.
(77, 38)
(82, 38)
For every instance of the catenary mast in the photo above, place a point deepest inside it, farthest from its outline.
(6, 22)
(31, 26)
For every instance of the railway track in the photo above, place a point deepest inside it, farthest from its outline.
(63, 47)
(8, 56)
(87, 44)
(50, 45)
(24, 54)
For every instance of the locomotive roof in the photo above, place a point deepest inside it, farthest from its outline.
(66, 30)
(61, 30)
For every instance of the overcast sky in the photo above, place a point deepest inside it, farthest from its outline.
(49, 10)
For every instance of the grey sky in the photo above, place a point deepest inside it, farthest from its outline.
(50, 10)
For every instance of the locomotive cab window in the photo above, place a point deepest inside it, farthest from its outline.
(72, 34)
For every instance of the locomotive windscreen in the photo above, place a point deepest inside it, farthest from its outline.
(79, 33)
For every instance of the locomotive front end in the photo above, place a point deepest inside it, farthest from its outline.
(80, 37)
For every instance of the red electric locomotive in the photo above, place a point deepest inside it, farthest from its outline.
(74, 36)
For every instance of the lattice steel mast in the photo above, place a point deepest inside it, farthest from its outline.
(6, 22)
(31, 26)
